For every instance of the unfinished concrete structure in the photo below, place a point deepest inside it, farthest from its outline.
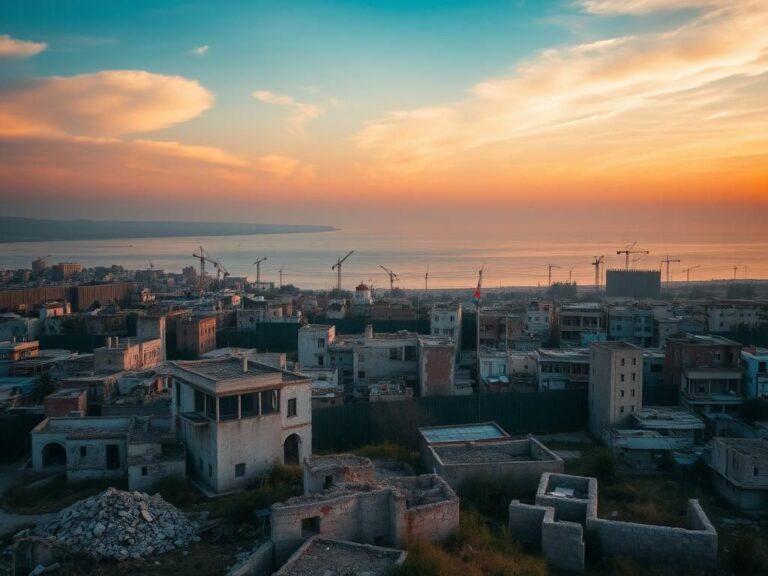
(389, 512)
(461, 433)
(142, 448)
(323, 472)
(566, 510)
(740, 468)
(519, 462)
(334, 557)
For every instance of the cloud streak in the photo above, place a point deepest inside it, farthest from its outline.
(300, 112)
(13, 48)
(681, 98)
(199, 51)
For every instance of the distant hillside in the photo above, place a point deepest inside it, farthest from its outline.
(34, 230)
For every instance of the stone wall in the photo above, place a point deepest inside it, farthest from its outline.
(562, 543)
(322, 472)
(576, 509)
(525, 522)
(695, 545)
(260, 563)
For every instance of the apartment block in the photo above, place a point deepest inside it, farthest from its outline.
(615, 385)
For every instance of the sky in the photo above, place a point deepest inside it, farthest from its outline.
(398, 113)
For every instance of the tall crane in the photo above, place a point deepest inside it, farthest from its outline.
(629, 250)
(257, 263)
(426, 278)
(392, 277)
(667, 261)
(597, 263)
(549, 275)
(337, 267)
(688, 276)
(203, 257)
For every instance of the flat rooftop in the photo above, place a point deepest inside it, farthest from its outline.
(337, 461)
(322, 557)
(616, 345)
(668, 418)
(747, 446)
(86, 427)
(463, 433)
(489, 453)
(230, 368)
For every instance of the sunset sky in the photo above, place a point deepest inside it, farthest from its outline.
(330, 111)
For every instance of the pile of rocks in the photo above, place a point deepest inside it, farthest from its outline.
(120, 525)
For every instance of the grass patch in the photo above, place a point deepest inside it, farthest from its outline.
(54, 495)
(179, 491)
(491, 495)
(647, 500)
(475, 551)
(280, 483)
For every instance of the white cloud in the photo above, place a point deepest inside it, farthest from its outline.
(199, 51)
(12, 48)
(301, 112)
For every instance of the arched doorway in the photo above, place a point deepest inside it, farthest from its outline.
(291, 449)
(54, 455)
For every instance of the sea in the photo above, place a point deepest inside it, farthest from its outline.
(420, 259)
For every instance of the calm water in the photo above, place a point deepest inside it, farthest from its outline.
(453, 260)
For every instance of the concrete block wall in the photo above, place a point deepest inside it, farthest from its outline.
(694, 546)
(339, 468)
(260, 563)
(435, 522)
(569, 509)
(525, 522)
(562, 544)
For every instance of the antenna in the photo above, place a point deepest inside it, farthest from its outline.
(257, 263)
(337, 267)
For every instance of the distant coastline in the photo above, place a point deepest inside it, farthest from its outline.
(13, 229)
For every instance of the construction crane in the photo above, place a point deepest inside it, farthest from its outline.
(426, 279)
(549, 276)
(151, 265)
(570, 275)
(203, 257)
(597, 263)
(629, 250)
(220, 270)
(337, 267)
(257, 263)
(667, 261)
(392, 277)
(688, 276)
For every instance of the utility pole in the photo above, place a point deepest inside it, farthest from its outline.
(549, 275)
(735, 268)
(258, 268)
(337, 267)
(597, 263)
(281, 276)
(666, 261)
(570, 275)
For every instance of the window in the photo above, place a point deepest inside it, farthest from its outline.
(632, 392)
(210, 407)
(269, 402)
(411, 353)
(622, 361)
(394, 353)
(292, 407)
(310, 525)
(621, 393)
(113, 457)
(144, 471)
(320, 361)
(228, 408)
(240, 470)
(320, 342)
(622, 377)
(249, 405)
(361, 373)
(210, 470)
(634, 376)
(634, 361)
(199, 402)
(83, 451)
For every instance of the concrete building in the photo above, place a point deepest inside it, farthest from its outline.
(142, 449)
(237, 418)
(324, 472)
(445, 321)
(326, 389)
(708, 371)
(633, 283)
(538, 319)
(433, 436)
(66, 402)
(653, 367)
(615, 385)
(54, 309)
(519, 462)
(322, 556)
(755, 367)
(563, 369)
(150, 327)
(437, 365)
(196, 334)
(391, 512)
(122, 354)
(108, 321)
(12, 352)
(730, 315)
(741, 472)
(574, 320)
(631, 324)
(314, 343)
(63, 271)
(19, 328)
(566, 510)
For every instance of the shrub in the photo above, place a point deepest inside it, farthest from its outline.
(177, 490)
(388, 451)
(602, 466)
(748, 554)
(490, 495)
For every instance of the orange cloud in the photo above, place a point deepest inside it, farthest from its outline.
(617, 114)
(12, 48)
(108, 103)
(301, 112)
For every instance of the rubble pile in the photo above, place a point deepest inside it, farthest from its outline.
(121, 525)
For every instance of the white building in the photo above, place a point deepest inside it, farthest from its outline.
(445, 321)
(362, 295)
(124, 354)
(615, 385)
(730, 315)
(238, 418)
(314, 340)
